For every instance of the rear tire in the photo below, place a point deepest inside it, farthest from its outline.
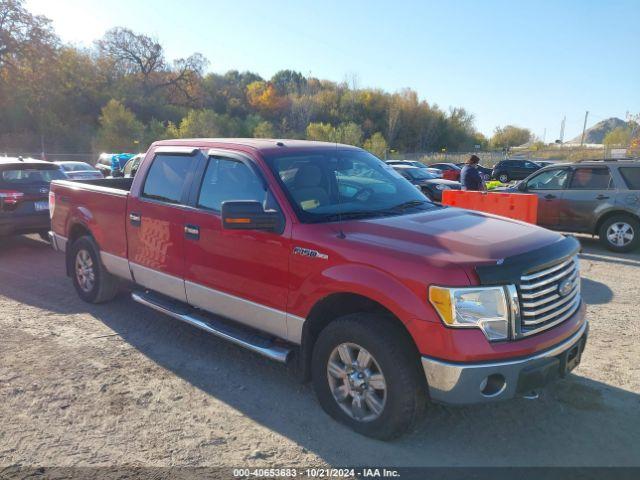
(382, 393)
(620, 233)
(91, 280)
(44, 235)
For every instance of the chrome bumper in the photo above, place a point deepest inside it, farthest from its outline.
(468, 383)
(58, 242)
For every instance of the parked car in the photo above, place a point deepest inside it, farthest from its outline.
(508, 170)
(323, 256)
(485, 172)
(450, 171)
(544, 163)
(414, 163)
(431, 185)
(24, 193)
(112, 164)
(600, 198)
(79, 170)
(131, 167)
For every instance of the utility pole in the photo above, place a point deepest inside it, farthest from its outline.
(564, 119)
(584, 127)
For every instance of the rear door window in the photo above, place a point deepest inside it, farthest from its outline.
(167, 178)
(590, 178)
(631, 177)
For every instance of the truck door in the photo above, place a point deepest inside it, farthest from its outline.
(590, 190)
(238, 274)
(549, 186)
(155, 221)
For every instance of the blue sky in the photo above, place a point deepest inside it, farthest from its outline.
(527, 63)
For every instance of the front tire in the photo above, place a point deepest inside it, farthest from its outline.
(503, 177)
(93, 283)
(367, 375)
(620, 233)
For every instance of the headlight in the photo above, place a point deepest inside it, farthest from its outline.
(485, 308)
(442, 187)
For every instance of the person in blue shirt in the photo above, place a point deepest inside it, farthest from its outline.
(470, 177)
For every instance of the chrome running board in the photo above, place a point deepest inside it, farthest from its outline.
(247, 338)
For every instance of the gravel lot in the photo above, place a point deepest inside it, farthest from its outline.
(118, 384)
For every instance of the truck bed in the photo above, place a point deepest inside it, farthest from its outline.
(99, 206)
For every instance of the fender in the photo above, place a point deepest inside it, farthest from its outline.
(403, 302)
(612, 210)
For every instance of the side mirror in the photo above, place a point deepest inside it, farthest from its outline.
(250, 215)
(522, 187)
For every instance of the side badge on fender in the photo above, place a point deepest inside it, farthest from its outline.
(306, 252)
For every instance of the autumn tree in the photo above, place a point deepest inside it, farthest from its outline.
(140, 56)
(510, 136)
(264, 130)
(619, 136)
(323, 132)
(23, 34)
(377, 145)
(120, 130)
(264, 98)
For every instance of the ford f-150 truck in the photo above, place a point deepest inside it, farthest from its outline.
(322, 256)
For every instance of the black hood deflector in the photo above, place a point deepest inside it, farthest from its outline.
(509, 271)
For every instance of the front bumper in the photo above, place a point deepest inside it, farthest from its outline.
(468, 383)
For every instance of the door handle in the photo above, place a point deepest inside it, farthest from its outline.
(549, 196)
(602, 197)
(134, 219)
(192, 232)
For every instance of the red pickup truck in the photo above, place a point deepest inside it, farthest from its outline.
(323, 256)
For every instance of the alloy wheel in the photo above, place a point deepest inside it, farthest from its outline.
(85, 274)
(357, 382)
(620, 234)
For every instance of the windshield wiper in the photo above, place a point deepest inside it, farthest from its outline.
(406, 205)
(354, 215)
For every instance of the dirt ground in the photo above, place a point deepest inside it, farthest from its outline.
(119, 384)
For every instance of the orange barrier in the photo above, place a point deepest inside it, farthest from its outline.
(519, 206)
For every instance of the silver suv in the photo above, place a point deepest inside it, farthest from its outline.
(597, 197)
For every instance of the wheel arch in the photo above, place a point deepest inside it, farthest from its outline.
(612, 213)
(334, 306)
(76, 230)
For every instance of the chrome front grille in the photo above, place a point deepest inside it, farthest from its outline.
(549, 296)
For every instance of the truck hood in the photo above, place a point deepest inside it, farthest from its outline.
(451, 235)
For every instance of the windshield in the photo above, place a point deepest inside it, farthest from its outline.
(31, 175)
(326, 185)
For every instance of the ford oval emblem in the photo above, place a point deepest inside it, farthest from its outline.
(565, 287)
(44, 190)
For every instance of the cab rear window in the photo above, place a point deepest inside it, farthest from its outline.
(30, 175)
(631, 177)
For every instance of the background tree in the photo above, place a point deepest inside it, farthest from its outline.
(619, 136)
(264, 130)
(23, 34)
(377, 145)
(510, 136)
(52, 97)
(119, 131)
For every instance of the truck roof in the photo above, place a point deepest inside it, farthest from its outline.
(259, 144)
